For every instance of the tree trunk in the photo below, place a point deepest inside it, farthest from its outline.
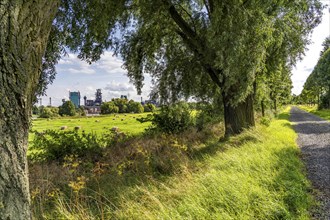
(263, 108)
(238, 117)
(25, 26)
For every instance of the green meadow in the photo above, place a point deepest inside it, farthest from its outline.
(97, 124)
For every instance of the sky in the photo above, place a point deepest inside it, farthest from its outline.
(108, 75)
(305, 67)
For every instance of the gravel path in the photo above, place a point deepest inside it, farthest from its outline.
(314, 141)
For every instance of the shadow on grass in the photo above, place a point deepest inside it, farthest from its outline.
(221, 145)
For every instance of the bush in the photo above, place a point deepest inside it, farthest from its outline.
(48, 112)
(109, 107)
(35, 110)
(324, 102)
(68, 108)
(56, 145)
(207, 113)
(149, 107)
(173, 119)
(135, 107)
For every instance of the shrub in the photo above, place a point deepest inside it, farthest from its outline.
(324, 102)
(109, 107)
(35, 110)
(135, 107)
(149, 107)
(56, 145)
(173, 119)
(48, 112)
(68, 108)
(207, 113)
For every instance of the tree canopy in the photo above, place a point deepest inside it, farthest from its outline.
(188, 47)
(317, 85)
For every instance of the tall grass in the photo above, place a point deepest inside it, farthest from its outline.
(256, 175)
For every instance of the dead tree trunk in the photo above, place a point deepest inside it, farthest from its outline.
(25, 26)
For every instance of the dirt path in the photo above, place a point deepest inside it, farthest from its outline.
(314, 141)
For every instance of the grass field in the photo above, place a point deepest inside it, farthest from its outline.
(98, 124)
(324, 113)
(255, 175)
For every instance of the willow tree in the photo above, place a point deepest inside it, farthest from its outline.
(291, 34)
(190, 47)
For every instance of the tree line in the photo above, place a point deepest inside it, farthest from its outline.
(316, 89)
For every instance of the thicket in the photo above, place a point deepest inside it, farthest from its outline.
(67, 109)
(48, 112)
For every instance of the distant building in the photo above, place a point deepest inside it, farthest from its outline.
(123, 96)
(75, 98)
(98, 97)
(154, 102)
(94, 106)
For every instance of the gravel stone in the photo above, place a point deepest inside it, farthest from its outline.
(314, 141)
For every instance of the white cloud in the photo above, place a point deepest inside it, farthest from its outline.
(81, 70)
(110, 64)
(120, 87)
(71, 64)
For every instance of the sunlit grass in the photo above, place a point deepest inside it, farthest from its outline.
(256, 175)
(259, 179)
(98, 124)
(324, 113)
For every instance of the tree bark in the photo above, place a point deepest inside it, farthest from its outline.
(263, 108)
(238, 117)
(25, 26)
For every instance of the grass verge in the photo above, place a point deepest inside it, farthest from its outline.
(256, 175)
(324, 113)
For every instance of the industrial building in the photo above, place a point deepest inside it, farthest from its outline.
(93, 106)
(75, 98)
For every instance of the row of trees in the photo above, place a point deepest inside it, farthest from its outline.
(124, 106)
(317, 86)
(219, 50)
(66, 109)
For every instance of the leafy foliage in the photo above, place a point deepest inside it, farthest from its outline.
(121, 106)
(56, 145)
(48, 112)
(67, 108)
(317, 86)
(109, 107)
(149, 107)
(173, 119)
(186, 46)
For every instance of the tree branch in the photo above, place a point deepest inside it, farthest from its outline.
(195, 43)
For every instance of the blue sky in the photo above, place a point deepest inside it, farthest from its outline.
(107, 74)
